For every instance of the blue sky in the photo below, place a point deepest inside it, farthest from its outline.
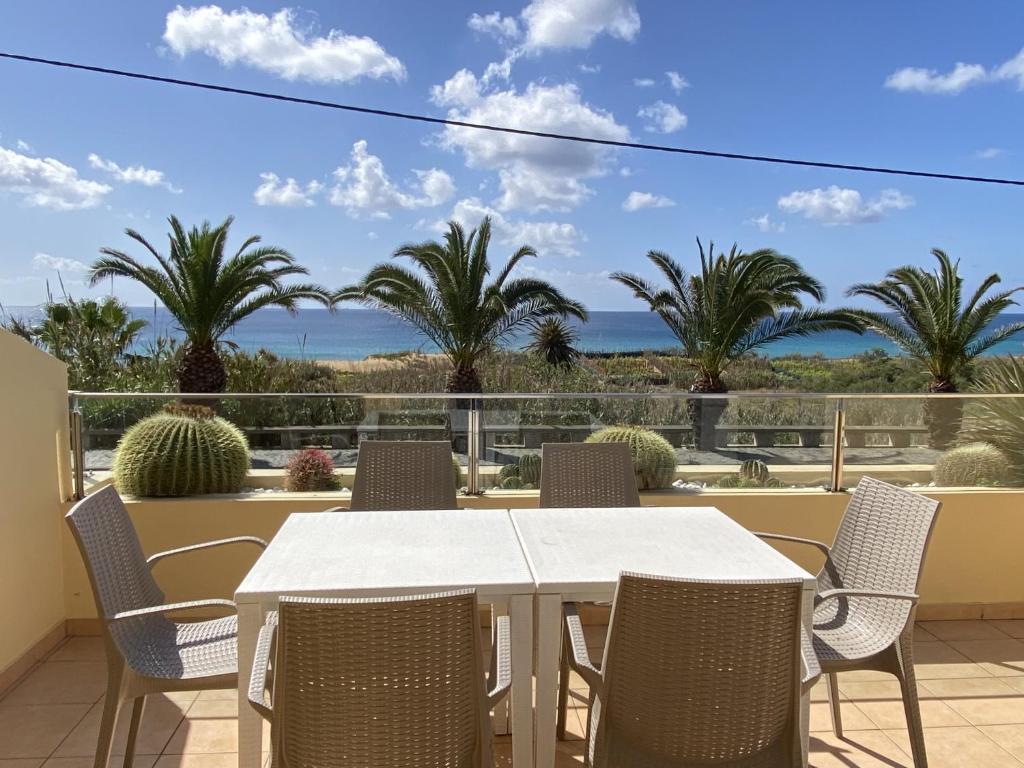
(931, 85)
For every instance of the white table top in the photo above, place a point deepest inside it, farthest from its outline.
(382, 554)
(583, 550)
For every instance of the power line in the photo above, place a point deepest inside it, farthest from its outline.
(506, 129)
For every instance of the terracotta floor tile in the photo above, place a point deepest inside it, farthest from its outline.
(218, 760)
(35, 731)
(1012, 627)
(140, 761)
(853, 718)
(1009, 737)
(958, 748)
(219, 694)
(1000, 658)
(939, 660)
(213, 708)
(985, 701)
(79, 649)
(962, 630)
(159, 720)
(923, 635)
(61, 682)
(863, 749)
(24, 762)
(882, 702)
(208, 736)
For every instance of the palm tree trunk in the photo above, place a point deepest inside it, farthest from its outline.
(202, 369)
(705, 413)
(462, 379)
(943, 417)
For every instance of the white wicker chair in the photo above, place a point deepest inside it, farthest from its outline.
(396, 681)
(696, 673)
(403, 475)
(146, 651)
(867, 593)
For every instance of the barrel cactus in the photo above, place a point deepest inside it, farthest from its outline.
(310, 470)
(654, 458)
(529, 469)
(972, 464)
(184, 451)
(755, 471)
(456, 470)
(511, 483)
(507, 471)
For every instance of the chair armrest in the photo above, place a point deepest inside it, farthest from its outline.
(832, 594)
(811, 668)
(824, 548)
(579, 658)
(501, 662)
(170, 608)
(260, 669)
(154, 559)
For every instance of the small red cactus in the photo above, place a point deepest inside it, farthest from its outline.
(310, 470)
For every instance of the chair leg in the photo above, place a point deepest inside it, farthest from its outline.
(133, 730)
(833, 701)
(911, 705)
(108, 722)
(563, 688)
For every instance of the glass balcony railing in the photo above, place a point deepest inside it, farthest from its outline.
(781, 441)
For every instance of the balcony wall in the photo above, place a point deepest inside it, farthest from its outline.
(34, 425)
(972, 569)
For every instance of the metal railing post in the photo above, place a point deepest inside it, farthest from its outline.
(838, 435)
(473, 447)
(77, 447)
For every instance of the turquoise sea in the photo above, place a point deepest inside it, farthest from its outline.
(353, 334)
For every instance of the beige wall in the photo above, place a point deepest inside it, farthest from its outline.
(970, 569)
(34, 455)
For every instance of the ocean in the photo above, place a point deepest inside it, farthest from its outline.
(353, 334)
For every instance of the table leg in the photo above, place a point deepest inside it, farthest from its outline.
(521, 620)
(499, 608)
(250, 724)
(549, 638)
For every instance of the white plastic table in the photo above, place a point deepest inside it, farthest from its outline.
(577, 554)
(391, 554)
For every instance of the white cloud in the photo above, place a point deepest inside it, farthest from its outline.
(638, 200)
(589, 69)
(45, 261)
(534, 173)
(133, 174)
(1012, 70)
(277, 44)
(765, 223)
(24, 146)
(662, 117)
(372, 235)
(989, 153)
(546, 237)
(676, 81)
(931, 81)
(643, 82)
(575, 23)
(364, 187)
(289, 194)
(502, 28)
(625, 171)
(837, 206)
(48, 183)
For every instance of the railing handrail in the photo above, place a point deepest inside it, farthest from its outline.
(659, 395)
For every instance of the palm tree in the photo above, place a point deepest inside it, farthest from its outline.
(927, 319)
(554, 340)
(453, 305)
(208, 293)
(739, 302)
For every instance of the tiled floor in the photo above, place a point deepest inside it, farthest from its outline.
(971, 678)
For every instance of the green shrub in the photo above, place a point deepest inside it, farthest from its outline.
(310, 470)
(184, 451)
(529, 469)
(654, 458)
(971, 465)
